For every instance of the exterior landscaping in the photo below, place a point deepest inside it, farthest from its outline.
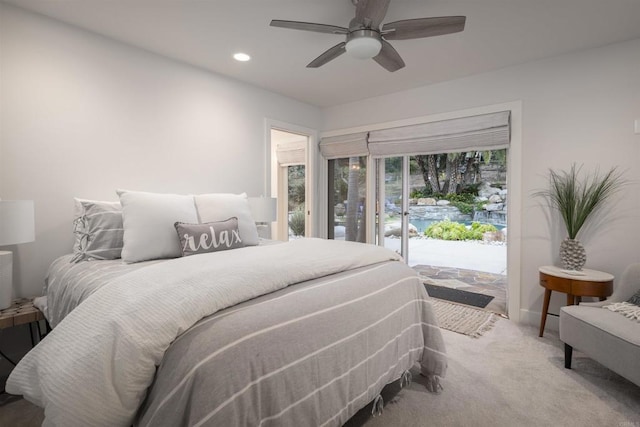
(474, 208)
(449, 230)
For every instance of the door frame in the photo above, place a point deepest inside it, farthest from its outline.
(272, 169)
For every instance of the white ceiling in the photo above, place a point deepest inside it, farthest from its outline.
(206, 33)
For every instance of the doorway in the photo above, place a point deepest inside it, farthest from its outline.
(446, 214)
(290, 184)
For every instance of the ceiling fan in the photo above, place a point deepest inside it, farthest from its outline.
(366, 39)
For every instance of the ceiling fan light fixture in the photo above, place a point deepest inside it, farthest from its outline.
(363, 44)
(242, 57)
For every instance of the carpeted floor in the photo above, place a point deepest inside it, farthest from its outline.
(509, 377)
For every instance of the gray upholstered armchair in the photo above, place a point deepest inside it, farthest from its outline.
(606, 336)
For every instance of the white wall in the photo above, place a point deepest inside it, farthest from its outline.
(82, 115)
(575, 108)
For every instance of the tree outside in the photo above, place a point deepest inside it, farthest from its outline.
(347, 196)
(457, 173)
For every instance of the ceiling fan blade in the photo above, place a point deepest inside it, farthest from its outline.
(328, 55)
(389, 58)
(369, 13)
(423, 27)
(309, 26)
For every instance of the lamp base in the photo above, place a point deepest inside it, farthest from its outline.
(6, 279)
(264, 231)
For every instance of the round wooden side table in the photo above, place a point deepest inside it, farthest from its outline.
(576, 284)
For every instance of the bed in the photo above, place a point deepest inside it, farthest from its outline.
(303, 333)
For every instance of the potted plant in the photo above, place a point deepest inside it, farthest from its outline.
(577, 198)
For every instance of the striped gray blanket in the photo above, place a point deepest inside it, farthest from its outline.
(307, 353)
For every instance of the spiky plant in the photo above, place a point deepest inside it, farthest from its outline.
(576, 197)
(296, 222)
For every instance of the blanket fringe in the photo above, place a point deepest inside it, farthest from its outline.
(378, 406)
(627, 309)
(405, 379)
(433, 384)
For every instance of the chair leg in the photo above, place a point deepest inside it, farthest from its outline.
(568, 352)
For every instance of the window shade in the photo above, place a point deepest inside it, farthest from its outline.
(339, 147)
(291, 153)
(481, 133)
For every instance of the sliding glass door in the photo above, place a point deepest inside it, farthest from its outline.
(392, 196)
(436, 192)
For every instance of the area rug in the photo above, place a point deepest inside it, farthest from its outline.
(458, 295)
(463, 320)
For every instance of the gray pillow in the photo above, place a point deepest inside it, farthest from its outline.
(98, 230)
(209, 237)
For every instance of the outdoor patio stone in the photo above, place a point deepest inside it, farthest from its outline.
(447, 283)
(470, 280)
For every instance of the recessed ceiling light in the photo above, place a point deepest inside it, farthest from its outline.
(242, 57)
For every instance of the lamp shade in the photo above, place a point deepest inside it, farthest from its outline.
(16, 222)
(263, 209)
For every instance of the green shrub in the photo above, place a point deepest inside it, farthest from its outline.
(468, 208)
(297, 222)
(449, 230)
(478, 229)
(470, 188)
(420, 193)
(464, 198)
(446, 230)
(464, 202)
(464, 208)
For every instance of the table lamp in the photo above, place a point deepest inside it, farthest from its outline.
(16, 226)
(264, 210)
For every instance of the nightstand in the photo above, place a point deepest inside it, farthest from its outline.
(22, 311)
(576, 284)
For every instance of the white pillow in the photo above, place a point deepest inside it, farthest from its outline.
(222, 206)
(148, 220)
